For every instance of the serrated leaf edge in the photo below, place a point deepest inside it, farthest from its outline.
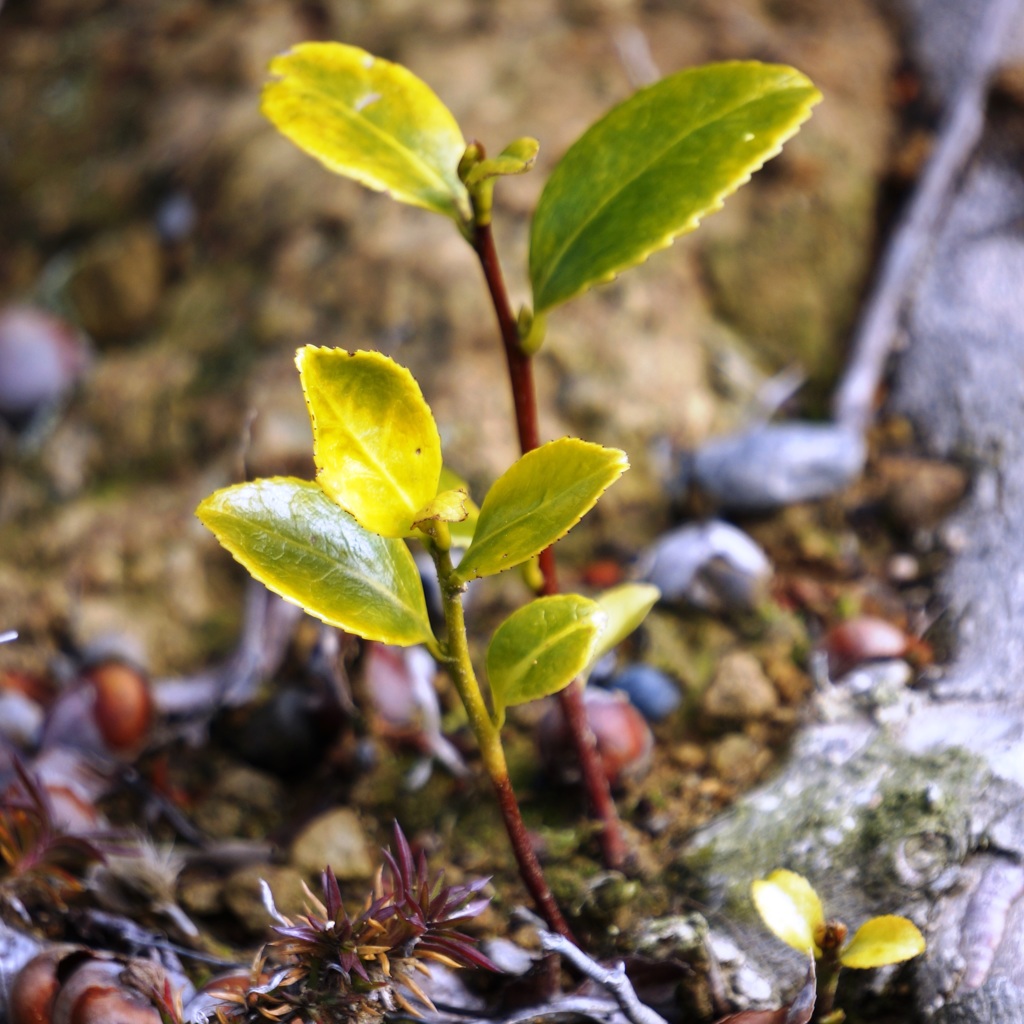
(666, 240)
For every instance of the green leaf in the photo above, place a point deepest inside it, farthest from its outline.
(516, 158)
(881, 941)
(541, 648)
(791, 908)
(654, 166)
(371, 120)
(375, 442)
(298, 543)
(537, 500)
(626, 607)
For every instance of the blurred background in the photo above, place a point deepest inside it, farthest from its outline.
(187, 250)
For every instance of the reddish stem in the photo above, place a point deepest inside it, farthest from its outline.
(524, 397)
(529, 867)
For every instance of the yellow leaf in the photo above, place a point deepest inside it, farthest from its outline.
(790, 908)
(375, 444)
(881, 941)
(371, 120)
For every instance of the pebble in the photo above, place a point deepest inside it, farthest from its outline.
(712, 565)
(738, 759)
(740, 691)
(776, 464)
(920, 493)
(244, 898)
(42, 357)
(335, 838)
(655, 694)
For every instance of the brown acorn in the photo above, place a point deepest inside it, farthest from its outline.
(624, 739)
(866, 638)
(34, 988)
(109, 710)
(97, 993)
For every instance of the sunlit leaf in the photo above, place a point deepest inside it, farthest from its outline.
(541, 648)
(626, 606)
(375, 442)
(790, 908)
(654, 166)
(537, 500)
(301, 545)
(371, 120)
(883, 940)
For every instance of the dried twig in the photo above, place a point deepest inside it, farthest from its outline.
(957, 138)
(613, 981)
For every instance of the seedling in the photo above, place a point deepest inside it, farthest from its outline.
(639, 177)
(791, 908)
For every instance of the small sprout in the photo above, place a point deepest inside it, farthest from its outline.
(792, 910)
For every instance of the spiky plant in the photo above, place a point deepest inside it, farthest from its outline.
(37, 856)
(328, 966)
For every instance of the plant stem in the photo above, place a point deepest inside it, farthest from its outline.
(827, 983)
(524, 397)
(489, 737)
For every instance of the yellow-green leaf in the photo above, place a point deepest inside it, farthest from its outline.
(371, 120)
(537, 500)
(790, 907)
(541, 648)
(301, 545)
(375, 443)
(654, 166)
(626, 606)
(883, 940)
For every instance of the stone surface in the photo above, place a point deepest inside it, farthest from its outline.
(335, 838)
(243, 895)
(740, 691)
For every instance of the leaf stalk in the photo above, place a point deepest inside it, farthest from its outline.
(524, 398)
(460, 666)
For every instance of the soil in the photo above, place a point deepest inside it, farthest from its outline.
(143, 198)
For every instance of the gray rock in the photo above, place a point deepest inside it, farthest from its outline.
(777, 464)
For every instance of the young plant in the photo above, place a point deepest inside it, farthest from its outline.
(642, 175)
(337, 546)
(792, 910)
(645, 173)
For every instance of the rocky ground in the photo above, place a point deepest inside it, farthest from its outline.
(143, 199)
